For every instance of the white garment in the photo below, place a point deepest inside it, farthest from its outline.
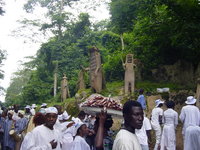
(126, 140)
(156, 112)
(141, 133)
(192, 138)
(67, 141)
(79, 143)
(168, 139)
(25, 142)
(41, 136)
(190, 116)
(15, 116)
(32, 111)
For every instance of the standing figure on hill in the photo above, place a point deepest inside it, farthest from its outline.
(96, 75)
(141, 99)
(129, 78)
(126, 138)
(156, 121)
(190, 115)
(170, 118)
(64, 88)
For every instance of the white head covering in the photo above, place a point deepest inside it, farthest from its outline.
(77, 126)
(65, 115)
(33, 106)
(28, 106)
(158, 101)
(42, 110)
(21, 112)
(11, 112)
(43, 105)
(190, 100)
(51, 110)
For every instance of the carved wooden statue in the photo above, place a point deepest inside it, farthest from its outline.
(95, 70)
(81, 82)
(129, 78)
(64, 88)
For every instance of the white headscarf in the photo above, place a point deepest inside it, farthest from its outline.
(51, 110)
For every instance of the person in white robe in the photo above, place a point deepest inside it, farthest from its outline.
(143, 134)
(170, 120)
(192, 138)
(156, 120)
(190, 115)
(33, 107)
(45, 137)
(79, 143)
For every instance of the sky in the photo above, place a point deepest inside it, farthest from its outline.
(17, 47)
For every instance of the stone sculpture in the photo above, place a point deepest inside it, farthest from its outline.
(64, 88)
(129, 78)
(95, 70)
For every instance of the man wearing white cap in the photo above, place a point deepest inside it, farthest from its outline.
(79, 142)
(190, 115)
(33, 109)
(45, 137)
(156, 120)
(27, 112)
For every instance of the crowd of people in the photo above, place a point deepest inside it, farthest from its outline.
(51, 128)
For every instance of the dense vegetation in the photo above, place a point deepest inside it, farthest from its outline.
(157, 32)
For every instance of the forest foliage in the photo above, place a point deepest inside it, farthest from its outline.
(157, 32)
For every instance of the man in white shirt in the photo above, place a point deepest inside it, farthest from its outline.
(45, 137)
(156, 120)
(126, 138)
(143, 134)
(190, 115)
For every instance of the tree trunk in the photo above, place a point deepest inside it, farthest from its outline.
(122, 40)
(55, 80)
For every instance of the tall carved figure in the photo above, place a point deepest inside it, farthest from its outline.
(95, 70)
(64, 88)
(129, 78)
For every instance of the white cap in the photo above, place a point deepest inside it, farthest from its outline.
(65, 115)
(33, 106)
(11, 112)
(21, 112)
(51, 110)
(77, 126)
(28, 106)
(190, 100)
(158, 101)
(43, 105)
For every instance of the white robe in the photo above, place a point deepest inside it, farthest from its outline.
(190, 116)
(192, 138)
(168, 139)
(40, 138)
(67, 138)
(79, 143)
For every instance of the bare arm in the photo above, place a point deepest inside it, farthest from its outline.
(100, 132)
